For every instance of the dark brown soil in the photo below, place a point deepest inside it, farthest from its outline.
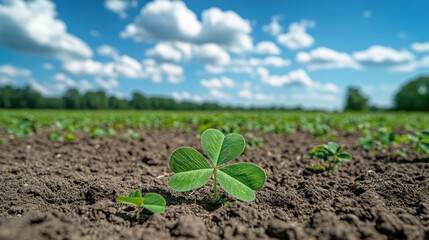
(55, 190)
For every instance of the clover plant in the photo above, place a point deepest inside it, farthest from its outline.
(421, 142)
(331, 153)
(192, 170)
(151, 201)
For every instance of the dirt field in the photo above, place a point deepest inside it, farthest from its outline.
(53, 190)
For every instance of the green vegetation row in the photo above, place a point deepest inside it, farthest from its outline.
(320, 125)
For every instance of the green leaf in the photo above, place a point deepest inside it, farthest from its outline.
(344, 157)
(191, 169)
(221, 148)
(241, 179)
(186, 181)
(412, 138)
(316, 169)
(136, 193)
(424, 134)
(332, 147)
(135, 201)
(154, 203)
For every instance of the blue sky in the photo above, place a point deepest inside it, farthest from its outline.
(291, 53)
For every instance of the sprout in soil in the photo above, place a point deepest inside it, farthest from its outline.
(151, 201)
(421, 142)
(192, 170)
(331, 153)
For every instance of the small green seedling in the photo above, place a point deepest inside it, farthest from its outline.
(152, 201)
(331, 153)
(421, 142)
(253, 141)
(192, 170)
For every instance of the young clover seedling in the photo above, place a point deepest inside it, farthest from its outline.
(331, 153)
(192, 170)
(151, 201)
(421, 142)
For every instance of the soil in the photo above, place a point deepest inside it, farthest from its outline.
(52, 190)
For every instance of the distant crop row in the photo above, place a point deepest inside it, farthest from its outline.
(376, 130)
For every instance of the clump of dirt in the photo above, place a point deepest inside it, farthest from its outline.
(53, 190)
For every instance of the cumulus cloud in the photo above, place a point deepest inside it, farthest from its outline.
(412, 66)
(107, 51)
(106, 84)
(171, 51)
(166, 20)
(267, 47)
(14, 71)
(326, 58)
(216, 93)
(186, 96)
(381, 55)
(420, 46)
(39, 87)
(213, 54)
(120, 6)
(33, 27)
(250, 95)
(274, 27)
(297, 36)
(123, 66)
(295, 78)
(222, 82)
(64, 80)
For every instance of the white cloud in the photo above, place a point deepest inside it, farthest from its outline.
(186, 96)
(84, 85)
(5, 80)
(48, 66)
(326, 58)
(274, 27)
(120, 6)
(267, 47)
(248, 94)
(367, 14)
(420, 46)
(412, 66)
(107, 83)
(222, 82)
(39, 88)
(274, 61)
(164, 52)
(173, 21)
(297, 37)
(32, 27)
(107, 51)
(219, 94)
(295, 78)
(212, 54)
(156, 72)
(381, 55)
(14, 71)
(64, 80)
(122, 67)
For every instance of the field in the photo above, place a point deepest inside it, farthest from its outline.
(62, 170)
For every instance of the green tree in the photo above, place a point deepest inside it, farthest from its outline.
(355, 100)
(413, 96)
(72, 99)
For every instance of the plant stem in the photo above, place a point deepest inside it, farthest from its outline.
(215, 184)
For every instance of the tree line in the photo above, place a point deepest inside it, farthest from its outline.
(413, 96)
(28, 98)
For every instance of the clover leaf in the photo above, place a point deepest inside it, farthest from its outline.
(192, 170)
(151, 201)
